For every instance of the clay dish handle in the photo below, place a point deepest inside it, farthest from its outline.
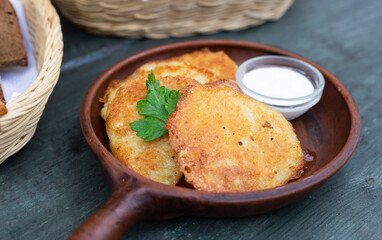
(124, 207)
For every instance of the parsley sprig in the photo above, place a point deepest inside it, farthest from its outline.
(160, 103)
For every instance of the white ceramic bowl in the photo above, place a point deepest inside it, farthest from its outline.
(291, 108)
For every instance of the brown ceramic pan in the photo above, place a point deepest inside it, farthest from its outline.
(330, 129)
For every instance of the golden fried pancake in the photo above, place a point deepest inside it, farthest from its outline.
(109, 96)
(155, 159)
(228, 142)
(218, 62)
(172, 67)
(204, 66)
(178, 67)
(228, 83)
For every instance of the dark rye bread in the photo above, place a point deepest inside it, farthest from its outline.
(12, 48)
(2, 99)
(3, 108)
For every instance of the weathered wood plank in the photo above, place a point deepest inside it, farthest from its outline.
(54, 183)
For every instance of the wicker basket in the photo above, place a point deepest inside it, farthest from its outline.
(19, 124)
(169, 18)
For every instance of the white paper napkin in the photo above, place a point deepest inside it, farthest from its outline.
(15, 80)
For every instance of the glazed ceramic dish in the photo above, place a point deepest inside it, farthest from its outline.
(330, 130)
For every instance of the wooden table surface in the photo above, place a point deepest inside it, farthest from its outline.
(54, 183)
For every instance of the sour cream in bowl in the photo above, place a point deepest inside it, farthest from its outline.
(287, 84)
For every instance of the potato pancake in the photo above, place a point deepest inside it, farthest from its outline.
(204, 66)
(218, 62)
(155, 159)
(228, 142)
(172, 67)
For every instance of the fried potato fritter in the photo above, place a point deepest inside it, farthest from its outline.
(172, 67)
(218, 62)
(204, 66)
(155, 159)
(228, 142)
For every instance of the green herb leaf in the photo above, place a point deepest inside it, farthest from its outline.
(171, 101)
(160, 103)
(149, 128)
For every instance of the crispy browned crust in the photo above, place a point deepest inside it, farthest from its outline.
(12, 48)
(155, 159)
(178, 67)
(218, 62)
(228, 142)
(230, 83)
(112, 85)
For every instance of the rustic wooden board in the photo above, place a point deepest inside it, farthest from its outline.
(54, 183)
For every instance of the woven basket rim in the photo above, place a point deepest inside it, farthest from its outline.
(30, 101)
(30, 91)
(137, 19)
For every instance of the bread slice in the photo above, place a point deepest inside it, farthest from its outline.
(3, 108)
(12, 48)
